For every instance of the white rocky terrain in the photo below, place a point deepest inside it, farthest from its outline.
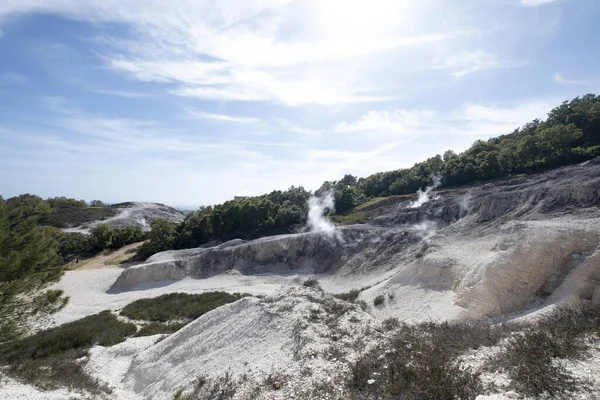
(133, 214)
(509, 250)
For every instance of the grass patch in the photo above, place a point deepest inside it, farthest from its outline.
(368, 210)
(177, 306)
(49, 359)
(155, 328)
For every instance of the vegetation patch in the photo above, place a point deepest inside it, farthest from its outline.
(51, 358)
(177, 306)
(312, 283)
(379, 300)
(76, 214)
(420, 362)
(424, 361)
(350, 296)
(155, 328)
(531, 357)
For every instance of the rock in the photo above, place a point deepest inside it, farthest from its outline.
(276, 385)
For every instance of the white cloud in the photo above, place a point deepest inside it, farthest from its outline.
(221, 117)
(120, 93)
(558, 78)
(478, 120)
(533, 3)
(397, 120)
(467, 62)
(289, 52)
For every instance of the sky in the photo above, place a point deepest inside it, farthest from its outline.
(192, 102)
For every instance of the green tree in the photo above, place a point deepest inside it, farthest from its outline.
(29, 260)
(528, 149)
(347, 198)
(163, 236)
(560, 137)
(103, 236)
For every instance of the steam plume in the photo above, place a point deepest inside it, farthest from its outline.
(318, 207)
(424, 196)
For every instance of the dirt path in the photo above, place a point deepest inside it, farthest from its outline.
(109, 259)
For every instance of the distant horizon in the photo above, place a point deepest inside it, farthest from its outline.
(198, 102)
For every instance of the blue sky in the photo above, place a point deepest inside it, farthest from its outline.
(191, 102)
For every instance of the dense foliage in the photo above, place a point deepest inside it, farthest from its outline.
(28, 261)
(273, 213)
(570, 134)
(33, 254)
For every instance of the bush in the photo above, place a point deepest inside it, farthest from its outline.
(48, 359)
(176, 306)
(313, 283)
(417, 363)
(530, 356)
(379, 300)
(528, 359)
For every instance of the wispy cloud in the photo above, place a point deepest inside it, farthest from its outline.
(292, 53)
(533, 3)
(120, 93)
(9, 78)
(479, 120)
(221, 117)
(467, 62)
(558, 78)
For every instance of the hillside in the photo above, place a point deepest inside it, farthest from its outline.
(121, 215)
(510, 251)
(485, 262)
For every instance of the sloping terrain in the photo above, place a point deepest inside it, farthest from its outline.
(483, 251)
(505, 251)
(132, 214)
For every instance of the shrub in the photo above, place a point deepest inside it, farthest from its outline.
(49, 358)
(379, 300)
(530, 356)
(528, 359)
(416, 363)
(176, 306)
(312, 283)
